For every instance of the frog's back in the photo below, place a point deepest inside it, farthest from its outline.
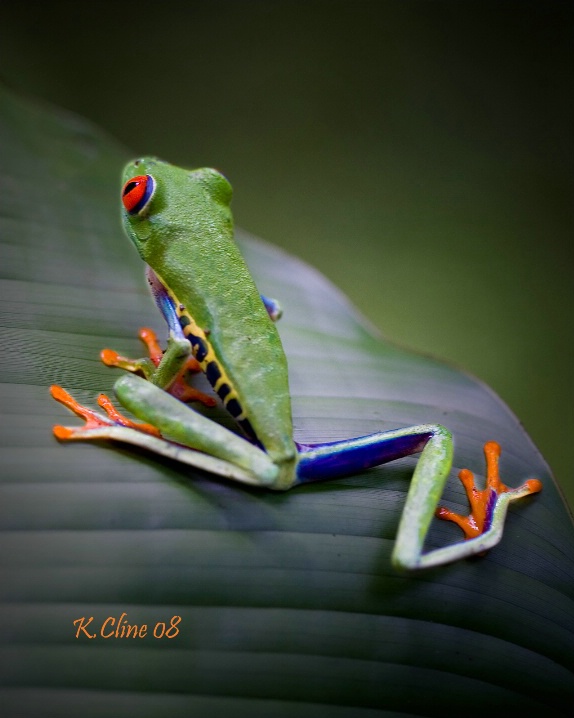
(187, 239)
(240, 352)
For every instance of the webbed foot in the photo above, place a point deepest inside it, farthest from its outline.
(483, 502)
(146, 366)
(93, 419)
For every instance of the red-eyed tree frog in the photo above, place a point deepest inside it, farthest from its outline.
(181, 224)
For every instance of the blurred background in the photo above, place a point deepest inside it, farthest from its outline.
(419, 153)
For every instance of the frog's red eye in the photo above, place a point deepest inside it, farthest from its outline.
(137, 193)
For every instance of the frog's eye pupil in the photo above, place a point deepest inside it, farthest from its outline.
(128, 188)
(137, 193)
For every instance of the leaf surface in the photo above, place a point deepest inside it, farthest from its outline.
(288, 603)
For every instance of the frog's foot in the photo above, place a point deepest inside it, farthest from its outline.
(186, 393)
(94, 420)
(483, 502)
(146, 366)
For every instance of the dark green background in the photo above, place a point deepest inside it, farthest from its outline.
(418, 153)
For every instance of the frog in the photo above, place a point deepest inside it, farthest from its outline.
(218, 323)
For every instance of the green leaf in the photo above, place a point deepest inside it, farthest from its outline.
(288, 603)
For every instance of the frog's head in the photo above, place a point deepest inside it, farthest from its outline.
(163, 204)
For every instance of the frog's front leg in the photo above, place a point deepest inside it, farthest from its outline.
(166, 369)
(273, 308)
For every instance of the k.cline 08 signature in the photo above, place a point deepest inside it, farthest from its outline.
(120, 628)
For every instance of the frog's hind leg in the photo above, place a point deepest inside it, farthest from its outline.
(488, 506)
(95, 421)
(319, 462)
(434, 442)
(172, 429)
